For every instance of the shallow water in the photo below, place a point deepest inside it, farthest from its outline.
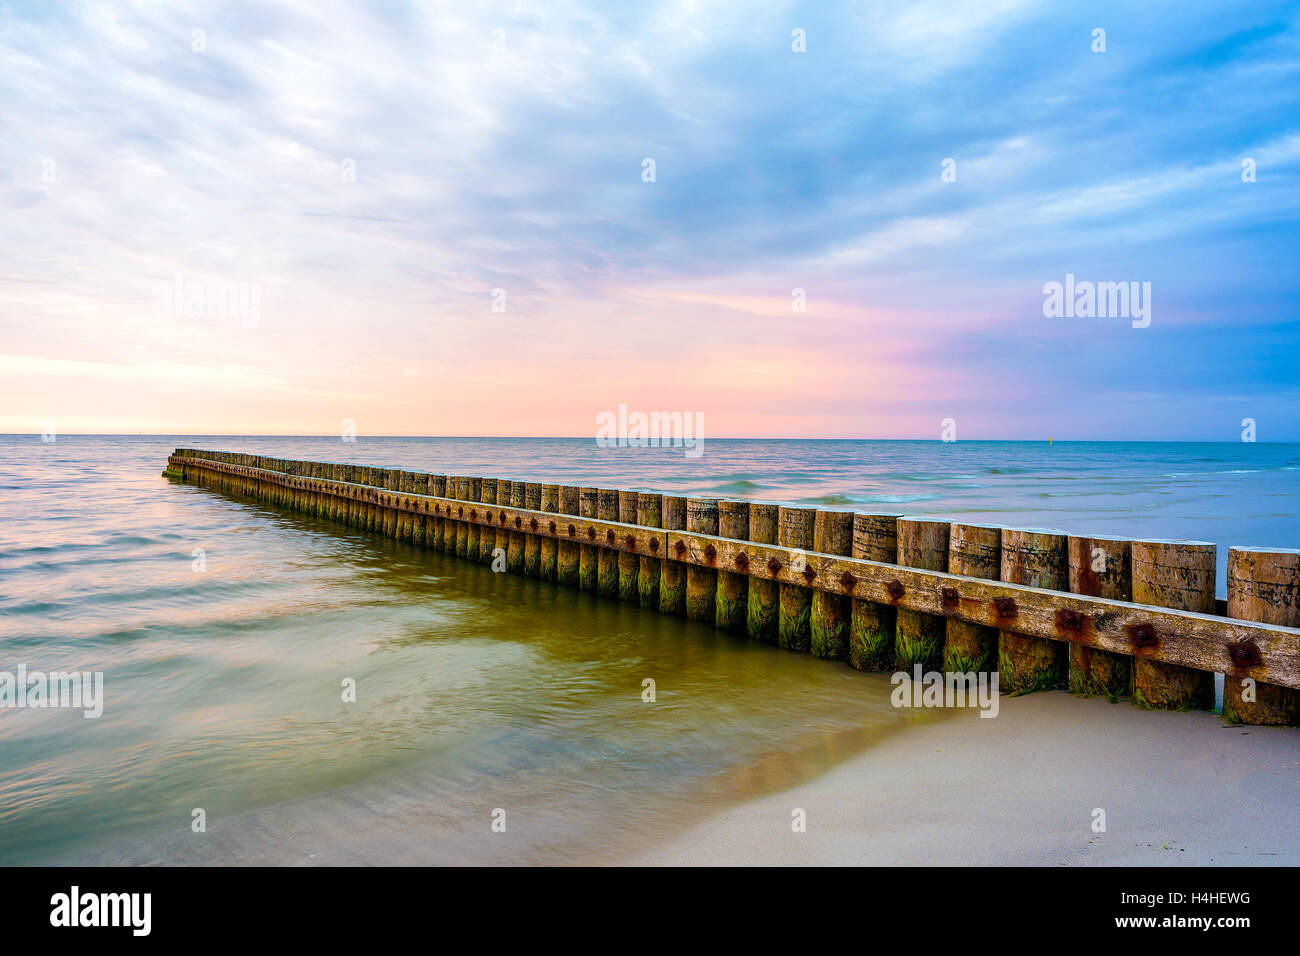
(475, 691)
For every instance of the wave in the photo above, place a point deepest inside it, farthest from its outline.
(839, 499)
(739, 487)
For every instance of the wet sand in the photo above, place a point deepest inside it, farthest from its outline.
(1021, 788)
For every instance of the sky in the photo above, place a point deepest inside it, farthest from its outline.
(440, 218)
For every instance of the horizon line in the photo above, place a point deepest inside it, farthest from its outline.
(359, 438)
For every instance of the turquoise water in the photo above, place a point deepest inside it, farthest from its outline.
(475, 691)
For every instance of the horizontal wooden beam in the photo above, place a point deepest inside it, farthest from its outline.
(1268, 653)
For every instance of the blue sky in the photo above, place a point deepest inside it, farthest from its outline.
(502, 147)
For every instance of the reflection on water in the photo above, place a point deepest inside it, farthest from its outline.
(475, 691)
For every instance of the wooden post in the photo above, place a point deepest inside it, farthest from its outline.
(918, 638)
(701, 582)
(1263, 586)
(392, 482)
(517, 554)
(469, 531)
(828, 623)
(607, 509)
(974, 550)
(453, 539)
(347, 506)
(763, 603)
(436, 536)
(405, 521)
(1100, 567)
(568, 558)
(375, 478)
(672, 573)
(872, 625)
(548, 547)
(794, 531)
(364, 513)
(645, 575)
(1026, 664)
(532, 540)
(623, 565)
(589, 555)
(732, 602)
(501, 540)
(487, 541)
(418, 485)
(1177, 574)
(464, 488)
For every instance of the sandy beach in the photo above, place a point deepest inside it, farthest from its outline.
(1021, 788)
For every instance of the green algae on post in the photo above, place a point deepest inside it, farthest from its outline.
(828, 620)
(732, 601)
(975, 551)
(794, 530)
(649, 514)
(672, 572)
(627, 564)
(1101, 567)
(517, 547)
(1026, 664)
(763, 601)
(918, 637)
(548, 547)
(588, 554)
(568, 558)
(701, 582)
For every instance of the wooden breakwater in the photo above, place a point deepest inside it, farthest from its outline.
(1101, 616)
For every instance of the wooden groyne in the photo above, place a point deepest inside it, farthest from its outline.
(1100, 616)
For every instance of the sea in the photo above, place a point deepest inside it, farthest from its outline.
(279, 689)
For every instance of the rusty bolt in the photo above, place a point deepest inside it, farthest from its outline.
(532, 524)
(1069, 620)
(894, 589)
(572, 531)
(809, 574)
(654, 545)
(630, 539)
(1005, 606)
(460, 511)
(591, 533)
(774, 564)
(950, 597)
(742, 561)
(610, 536)
(519, 522)
(1143, 636)
(473, 514)
(680, 548)
(847, 580)
(710, 552)
(1244, 654)
(551, 525)
(501, 517)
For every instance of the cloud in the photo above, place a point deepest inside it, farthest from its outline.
(379, 168)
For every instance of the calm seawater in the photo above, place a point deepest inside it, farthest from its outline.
(475, 691)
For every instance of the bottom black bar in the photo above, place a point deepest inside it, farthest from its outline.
(301, 905)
